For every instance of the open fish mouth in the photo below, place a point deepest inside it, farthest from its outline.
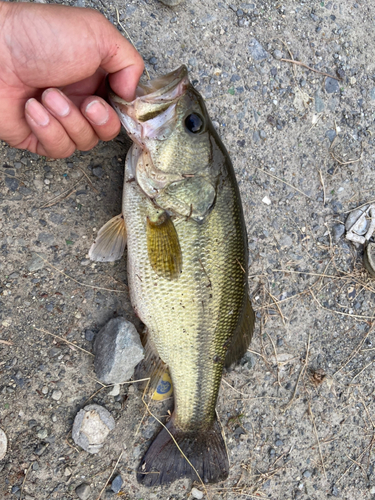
(152, 113)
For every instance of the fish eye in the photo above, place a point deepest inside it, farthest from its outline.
(194, 123)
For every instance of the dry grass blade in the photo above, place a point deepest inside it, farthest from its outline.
(62, 196)
(63, 340)
(284, 182)
(128, 36)
(277, 362)
(76, 281)
(324, 189)
(6, 342)
(355, 350)
(88, 180)
(236, 390)
(354, 316)
(345, 162)
(363, 369)
(109, 477)
(24, 481)
(312, 418)
(368, 447)
(275, 301)
(299, 377)
(299, 63)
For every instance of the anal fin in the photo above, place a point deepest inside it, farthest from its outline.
(159, 386)
(242, 336)
(110, 241)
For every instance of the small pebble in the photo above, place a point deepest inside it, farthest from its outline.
(89, 335)
(196, 493)
(337, 231)
(91, 427)
(3, 444)
(277, 54)
(98, 172)
(257, 51)
(11, 183)
(331, 85)
(279, 443)
(307, 473)
(266, 200)
(36, 262)
(83, 491)
(56, 394)
(116, 484)
(42, 434)
(319, 104)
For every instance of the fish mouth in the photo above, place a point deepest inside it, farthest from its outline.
(152, 98)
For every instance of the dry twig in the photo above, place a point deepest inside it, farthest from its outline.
(299, 63)
(109, 477)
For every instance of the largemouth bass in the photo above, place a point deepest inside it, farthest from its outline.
(187, 266)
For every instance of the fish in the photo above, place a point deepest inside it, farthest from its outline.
(187, 262)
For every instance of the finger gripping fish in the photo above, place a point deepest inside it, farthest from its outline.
(187, 266)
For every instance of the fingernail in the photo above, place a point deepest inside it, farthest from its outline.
(97, 113)
(37, 112)
(56, 102)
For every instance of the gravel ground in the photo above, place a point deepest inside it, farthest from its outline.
(298, 412)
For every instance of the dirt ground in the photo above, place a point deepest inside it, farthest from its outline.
(298, 412)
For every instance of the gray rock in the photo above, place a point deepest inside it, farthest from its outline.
(256, 137)
(116, 484)
(331, 134)
(335, 491)
(257, 51)
(279, 443)
(36, 262)
(277, 54)
(91, 427)
(319, 103)
(98, 171)
(46, 238)
(331, 85)
(337, 231)
(83, 491)
(11, 183)
(89, 335)
(118, 350)
(307, 473)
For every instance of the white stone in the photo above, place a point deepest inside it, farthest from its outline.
(56, 394)
(266, 200)
(3, 444)
(196, 493)
(91, 427)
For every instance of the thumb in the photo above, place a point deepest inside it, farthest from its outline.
(121, 60)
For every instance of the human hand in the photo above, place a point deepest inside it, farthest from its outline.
(53, 62)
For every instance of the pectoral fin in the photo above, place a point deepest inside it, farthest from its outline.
(163, 247)
(110, 241)
(242, 336)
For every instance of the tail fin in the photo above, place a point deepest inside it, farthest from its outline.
(164, 463)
